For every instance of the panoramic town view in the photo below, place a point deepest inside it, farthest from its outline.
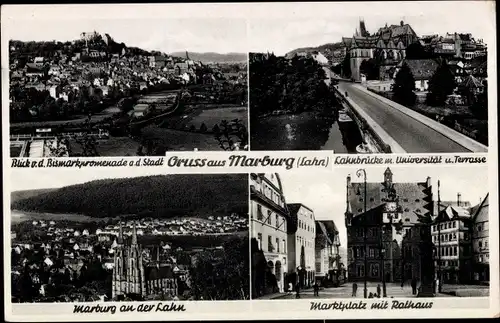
(97, 95)
(420, 235)
(379, 85)
(154, 237)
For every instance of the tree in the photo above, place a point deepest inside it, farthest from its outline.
(370, 68)
(404, 85)
(346, 65)
(416, 51)
(441, 84)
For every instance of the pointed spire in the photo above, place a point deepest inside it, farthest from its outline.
(120, 236)
(134, 235)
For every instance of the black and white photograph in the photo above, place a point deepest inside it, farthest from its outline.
(410, 80)
(118, 87)
(101, 235)
(418, 233)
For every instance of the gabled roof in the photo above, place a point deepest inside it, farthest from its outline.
(480, 212)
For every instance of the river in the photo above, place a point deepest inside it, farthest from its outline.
(305, 131)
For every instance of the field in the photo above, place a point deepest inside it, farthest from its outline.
(211, 117)
(181, 140)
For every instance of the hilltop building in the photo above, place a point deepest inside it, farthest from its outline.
(388, 46)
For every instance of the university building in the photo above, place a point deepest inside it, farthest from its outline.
(388, 46)
(269, 222)
(385, 228)
(301, 245)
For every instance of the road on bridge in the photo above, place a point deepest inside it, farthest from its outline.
(412, 135)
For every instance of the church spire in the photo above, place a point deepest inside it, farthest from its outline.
(134, 235)
(120, 235)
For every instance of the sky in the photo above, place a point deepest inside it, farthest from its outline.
(165, 35)
(328, 23)
(243, 27)
(326, 195)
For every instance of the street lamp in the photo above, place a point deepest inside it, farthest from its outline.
(360, 172)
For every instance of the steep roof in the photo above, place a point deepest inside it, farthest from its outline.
(422, 69)
(321, 230)
(414, 198)
(159, 272)
(472, 82)
(480, 212)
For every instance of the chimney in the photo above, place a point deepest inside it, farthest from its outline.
(458, 198)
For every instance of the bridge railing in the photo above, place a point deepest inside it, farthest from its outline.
(364, 125)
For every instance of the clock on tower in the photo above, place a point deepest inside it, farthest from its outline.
(391, 214)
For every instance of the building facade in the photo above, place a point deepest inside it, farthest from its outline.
(269, 222)
(328, 260)
(480, 241)
(387, 46)
(134, 278)
(384, 228)
(451, 236)
(301, 245)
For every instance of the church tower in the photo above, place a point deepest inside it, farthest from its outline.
(119, 268)
(135, 267)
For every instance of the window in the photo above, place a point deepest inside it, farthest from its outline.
(259, 240)
(417, 200)
(371, 199)
(405, 200)
(270, 246)
(407, 210)
(486, 244)
(284, 246)
(479, 227)
(454, 250)
(259, 212)
(480, 244)
(277, 221)
(277, 245)
(454, 224)
(269, 213)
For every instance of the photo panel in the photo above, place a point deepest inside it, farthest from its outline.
(108, 236)
(122, 87)
(343, 77)
(370, 232)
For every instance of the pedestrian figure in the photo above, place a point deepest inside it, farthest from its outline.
(297, 291)
(378, 289)
(316, 289)
(370, 295)
(402, 284)
(354, 289)
(414, 286)
(290, 289)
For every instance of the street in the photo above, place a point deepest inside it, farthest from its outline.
(412, 135)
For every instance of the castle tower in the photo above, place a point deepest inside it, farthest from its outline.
(362, 28)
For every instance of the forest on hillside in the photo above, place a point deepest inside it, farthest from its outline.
(150, 196)
(293, 85)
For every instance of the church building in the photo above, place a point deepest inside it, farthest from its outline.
(139, 278)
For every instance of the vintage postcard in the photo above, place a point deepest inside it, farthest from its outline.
(236, 161)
